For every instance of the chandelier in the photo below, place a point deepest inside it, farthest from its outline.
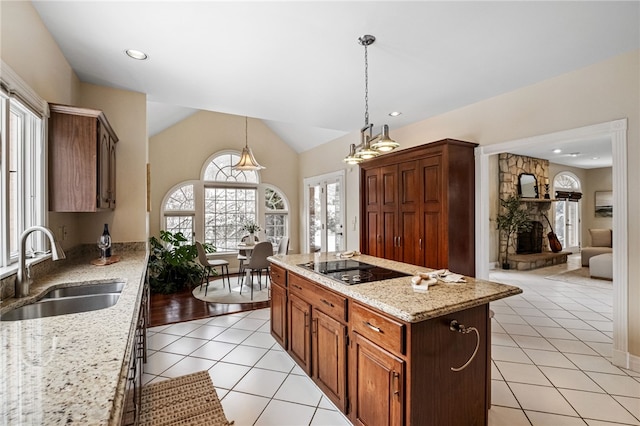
(247, 160)
(370, 146)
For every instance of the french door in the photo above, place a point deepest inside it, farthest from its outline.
(567, 213)
(324, 213)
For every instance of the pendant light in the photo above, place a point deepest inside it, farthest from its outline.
(370, 146)
(247, 160)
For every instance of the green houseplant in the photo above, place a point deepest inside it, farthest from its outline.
(512, 219)
(172, 265)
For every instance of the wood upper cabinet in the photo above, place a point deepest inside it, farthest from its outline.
(82, 160)
(418, 206)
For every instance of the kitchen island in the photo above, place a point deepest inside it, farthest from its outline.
(73, 368)
(382, 352)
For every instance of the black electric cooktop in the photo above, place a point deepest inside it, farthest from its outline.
(351, 272)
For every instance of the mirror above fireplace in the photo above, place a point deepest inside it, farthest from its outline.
(527, 186)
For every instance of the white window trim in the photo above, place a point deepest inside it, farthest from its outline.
(34, 186)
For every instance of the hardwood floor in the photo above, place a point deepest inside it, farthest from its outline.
(182, 306)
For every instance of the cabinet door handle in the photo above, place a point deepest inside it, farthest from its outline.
(420, 243)
(296, 286)
(306, 319)
(373, 327)
(399, 241)
(327, 303)
(396, 378)
(314, 329)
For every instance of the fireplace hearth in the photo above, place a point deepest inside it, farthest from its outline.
(530, 242)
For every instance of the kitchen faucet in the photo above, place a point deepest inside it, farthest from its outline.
(23, 280)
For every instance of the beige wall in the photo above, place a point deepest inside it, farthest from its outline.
(597, 180)
(29, 49)
(127, 114)
(179, 153)
(606, 91)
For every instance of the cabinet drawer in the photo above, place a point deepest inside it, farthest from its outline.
(278, 275)
(328, 302)
(383, 331)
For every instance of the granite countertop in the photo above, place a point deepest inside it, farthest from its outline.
(71, 368)
(396, 297)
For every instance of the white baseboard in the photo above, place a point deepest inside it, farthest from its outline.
(626, 360)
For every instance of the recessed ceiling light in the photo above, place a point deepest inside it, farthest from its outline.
(574, 154)
(557, 151)
(136, 54)
(395, 113)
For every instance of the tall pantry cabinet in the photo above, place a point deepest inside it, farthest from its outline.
(418, 206)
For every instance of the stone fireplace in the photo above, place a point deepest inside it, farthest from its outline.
(538, 210)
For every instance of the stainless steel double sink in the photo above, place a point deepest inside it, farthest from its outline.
(69, 300)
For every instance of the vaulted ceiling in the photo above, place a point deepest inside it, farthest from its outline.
(298, 65)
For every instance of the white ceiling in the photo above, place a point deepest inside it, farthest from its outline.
(298, 66)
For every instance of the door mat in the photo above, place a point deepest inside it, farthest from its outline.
(184, 400)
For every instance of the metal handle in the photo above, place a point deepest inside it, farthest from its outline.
(314, 329)
(296, 286)
(460, 328)
(399, 241)
(373, 327)
(396, 377)
(420, 243)
(306, 319)
(327, 303)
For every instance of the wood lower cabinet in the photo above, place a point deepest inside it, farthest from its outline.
(417, 206)
(299, 332)
(382, 371)
(278, 304)
(82, 160)
(317, 338)
(376, 384)
(329, 366)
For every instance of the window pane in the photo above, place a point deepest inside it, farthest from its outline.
(273, 200)
(226, 210)
(184, 224)
(275, 227)
(181, 199)
(220, 170)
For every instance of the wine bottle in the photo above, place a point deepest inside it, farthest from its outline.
(106, 232)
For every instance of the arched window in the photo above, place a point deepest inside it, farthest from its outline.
(214, 209)
(567, 212)
(276, 214)
(179, 210)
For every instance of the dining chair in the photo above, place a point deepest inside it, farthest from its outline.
(283, 245)
(258, 262)
(209, 264)
(243, 257)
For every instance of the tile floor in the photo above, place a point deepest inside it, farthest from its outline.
(551, 348)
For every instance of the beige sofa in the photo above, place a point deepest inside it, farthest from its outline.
(601, 243)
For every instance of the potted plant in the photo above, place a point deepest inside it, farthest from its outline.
(172, 265)
(513, 219)
(251, 227)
